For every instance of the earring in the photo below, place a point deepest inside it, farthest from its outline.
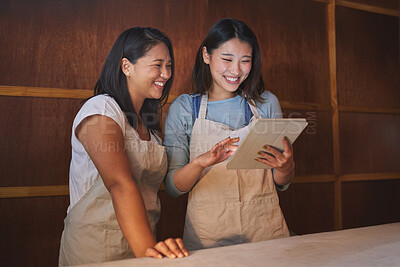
(127, 73)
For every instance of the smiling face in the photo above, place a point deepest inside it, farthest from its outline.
(230, 64)
(147, 77)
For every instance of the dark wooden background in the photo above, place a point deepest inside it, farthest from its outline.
(335, 63)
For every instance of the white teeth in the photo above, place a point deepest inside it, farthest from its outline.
(159, 83)
(232, 79)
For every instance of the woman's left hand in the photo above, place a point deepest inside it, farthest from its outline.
(282, 161)
(171, 248)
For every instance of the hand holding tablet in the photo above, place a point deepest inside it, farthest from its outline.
(264, 132)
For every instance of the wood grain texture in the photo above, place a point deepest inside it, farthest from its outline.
(376, 202)
(370, 176)
(31, 229)
(309, 207)
(64, 44)
(317, 178)
(172, 217)
(369, 110)
(35, 137)
(7, 90)
(368, 59)
(33, 191)
(369, 143)
(388, 7)
(389, 4)
(331, 30)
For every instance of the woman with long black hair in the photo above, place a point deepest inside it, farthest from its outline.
(202, 130)
(118, 162)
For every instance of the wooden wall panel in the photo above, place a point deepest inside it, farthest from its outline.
(313, 152)
(172, 217)
(35, 140)
(369, 143)
(30, 230)
(368, 59)
(64, 44)
(375, 202)
(53, 38)
(294, 46)
(308, 207)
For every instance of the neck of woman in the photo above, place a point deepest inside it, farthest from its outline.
(137, 101)
(214, 95)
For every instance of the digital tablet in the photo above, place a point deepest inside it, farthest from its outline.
(264, 132)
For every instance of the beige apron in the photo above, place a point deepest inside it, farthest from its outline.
(229, 206)
(91, 231)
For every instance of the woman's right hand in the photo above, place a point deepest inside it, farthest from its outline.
(187, 176)
(171, 248)
(218, 153)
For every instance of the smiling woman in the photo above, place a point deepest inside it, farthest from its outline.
(225, 207)
(118, 162)
(230, 64)
(149, 74)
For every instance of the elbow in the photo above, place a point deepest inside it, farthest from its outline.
(127, 186)
(171, 191)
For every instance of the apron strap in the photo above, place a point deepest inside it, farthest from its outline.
(253, 108)
(154, 133)
(196, 98)
(247, 113)
(203, 106)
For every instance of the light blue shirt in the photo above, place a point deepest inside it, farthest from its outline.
(179, 125)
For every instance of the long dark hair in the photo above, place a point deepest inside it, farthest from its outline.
(133, 44)
(221, 32)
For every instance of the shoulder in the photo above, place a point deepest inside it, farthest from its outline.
(101, 102)
(270, 98)
(182, 103)
(103, 105)
(183, 99)
(270, 108)
(180, 114)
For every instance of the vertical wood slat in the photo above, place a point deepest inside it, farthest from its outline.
(335, 111)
